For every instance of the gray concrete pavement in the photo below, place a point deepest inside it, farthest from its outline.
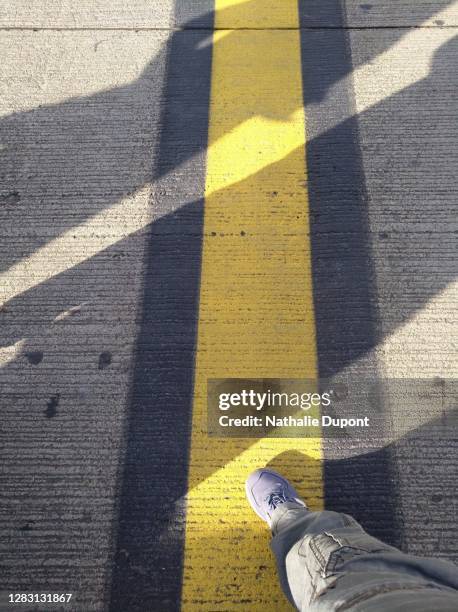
(79, 127)
(100, 14)
(81, 118)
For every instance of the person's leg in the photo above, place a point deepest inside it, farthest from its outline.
(326, 561)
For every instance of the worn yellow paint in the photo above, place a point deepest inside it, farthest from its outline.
(256, 310)
(258, 14)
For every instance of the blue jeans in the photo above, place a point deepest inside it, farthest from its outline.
(327, 562)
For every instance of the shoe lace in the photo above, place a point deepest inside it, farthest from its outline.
(277, 497)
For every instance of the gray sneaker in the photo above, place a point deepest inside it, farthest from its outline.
(266, 490)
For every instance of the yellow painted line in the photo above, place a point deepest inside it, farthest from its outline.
(233, 14)
(256, 309)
